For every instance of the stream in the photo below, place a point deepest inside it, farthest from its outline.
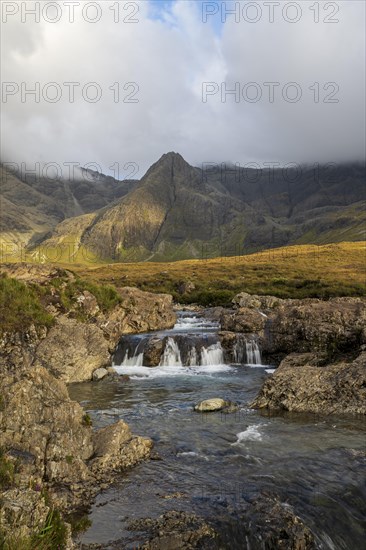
(214, 464)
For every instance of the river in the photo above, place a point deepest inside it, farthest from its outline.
(214, 464)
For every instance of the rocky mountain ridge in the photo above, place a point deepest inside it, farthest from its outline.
(177, 211)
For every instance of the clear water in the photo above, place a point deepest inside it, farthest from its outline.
(213, 464)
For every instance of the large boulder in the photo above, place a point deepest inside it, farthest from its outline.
(243, 319)
(38, 417)
(337, 388)
(253, 301)
(334, 326)
(138, 312)
(53, 444)
(115, 448)
(73, 350)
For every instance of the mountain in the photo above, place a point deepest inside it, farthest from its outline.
(31, 207)
(177, 211)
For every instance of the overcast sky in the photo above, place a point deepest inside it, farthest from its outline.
(169, 52)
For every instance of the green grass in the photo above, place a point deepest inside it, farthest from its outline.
(51, 536)
(7, 471)
(20, 307)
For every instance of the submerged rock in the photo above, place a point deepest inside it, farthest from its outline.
(295, 386)
(212, 405)
(175, 530)
(277, 527)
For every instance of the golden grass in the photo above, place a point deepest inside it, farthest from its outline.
(292, 271)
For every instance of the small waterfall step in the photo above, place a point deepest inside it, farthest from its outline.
(194, 341)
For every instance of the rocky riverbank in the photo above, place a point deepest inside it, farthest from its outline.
(318, 345)
(52, 461)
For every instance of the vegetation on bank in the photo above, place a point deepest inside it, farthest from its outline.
(306, 271)
(24, 304)
(20, 306)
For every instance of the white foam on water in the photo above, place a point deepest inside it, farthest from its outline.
(270, 371)
(192, 454)
(187, 453)
(136, 373)
(195, 323)
(213, 355)
(171, 355)
(252, 433)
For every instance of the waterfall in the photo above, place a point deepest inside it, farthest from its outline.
(171, 355)
(192, 357)
(130, 353)
(246, 351)
(193, 342)
(134, 361)
(213, 355)
(253, 353)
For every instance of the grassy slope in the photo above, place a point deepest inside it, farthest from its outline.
(294, 271)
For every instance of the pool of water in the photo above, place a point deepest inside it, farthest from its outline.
(213, 464)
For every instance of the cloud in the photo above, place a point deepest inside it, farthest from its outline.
(169, 54)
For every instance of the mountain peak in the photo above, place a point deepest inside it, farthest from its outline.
(168, 162)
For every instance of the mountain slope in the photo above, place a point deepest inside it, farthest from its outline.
(177, 211)
(31, 207)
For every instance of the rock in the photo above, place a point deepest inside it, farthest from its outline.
(22, 511)
(35, 273)
(185, 287)
(153, 351)
(99, 374)
(88, 303)
(138, 312)
(333, 389)
(72, 350)
(115, 448)
(303, 359)
(246, 300)
(211, 405)
(175, 530)
(253, 301)
(242, 320)
(333, 326)
(275, 526)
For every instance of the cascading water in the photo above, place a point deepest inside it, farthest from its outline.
(253, 353)
(171, 355)
(192, 342)
(246, 351)
(213, 355)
